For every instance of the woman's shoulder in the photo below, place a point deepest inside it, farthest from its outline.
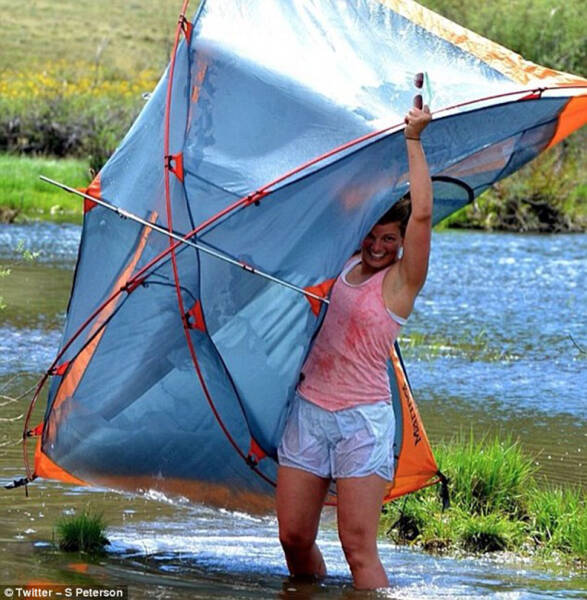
(354, 259)
(352, 262)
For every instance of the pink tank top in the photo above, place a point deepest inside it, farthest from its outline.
(347, 365)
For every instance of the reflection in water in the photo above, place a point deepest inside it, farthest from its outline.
(493, 352)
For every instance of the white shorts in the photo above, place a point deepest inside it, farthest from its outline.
(353, 442)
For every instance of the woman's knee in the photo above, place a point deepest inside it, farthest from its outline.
(296, 539)
(360, 549)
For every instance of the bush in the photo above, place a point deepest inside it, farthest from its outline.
(61, 111)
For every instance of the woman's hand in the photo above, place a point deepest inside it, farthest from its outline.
(416, 121)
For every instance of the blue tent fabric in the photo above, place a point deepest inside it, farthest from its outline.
(260, 88)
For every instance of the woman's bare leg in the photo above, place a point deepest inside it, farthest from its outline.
(300, 497)
(359, 502)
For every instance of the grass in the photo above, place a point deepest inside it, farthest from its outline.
(63, 111)
(25, 195)
(73, 74)
(123, 37)
(559, 520)
(477, 347)
(489, 476)
(54, 105)
(496, 505)
(489, 533)
(82, 533)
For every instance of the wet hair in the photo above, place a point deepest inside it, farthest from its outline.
(399, 213)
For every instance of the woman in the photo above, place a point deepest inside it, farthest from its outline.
(341, 424)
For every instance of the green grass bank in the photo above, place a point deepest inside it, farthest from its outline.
(24, 196)
(74, 74)
(496, 505)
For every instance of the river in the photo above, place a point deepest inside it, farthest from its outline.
(497, 344)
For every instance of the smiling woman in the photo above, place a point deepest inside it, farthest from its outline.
(384, 241)
(341, 425)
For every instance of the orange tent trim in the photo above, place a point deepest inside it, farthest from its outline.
(498, 57)
(416, 467)
(45, 467)
(95, 190)
(321, 289)
(572, 117)
(74, 375)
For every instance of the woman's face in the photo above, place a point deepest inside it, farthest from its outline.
(381, 246)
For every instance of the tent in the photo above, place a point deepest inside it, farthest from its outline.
(271, 145)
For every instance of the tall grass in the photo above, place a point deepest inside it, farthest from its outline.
(488, 476)
(82, 533)
(559, 520)
(23, 194)
(496, 505)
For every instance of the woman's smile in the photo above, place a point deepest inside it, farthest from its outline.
(381, 246)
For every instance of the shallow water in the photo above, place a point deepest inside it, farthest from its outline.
(512, 310)
(497, 343)
(165, 550)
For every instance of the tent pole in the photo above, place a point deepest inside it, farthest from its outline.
(128, 215)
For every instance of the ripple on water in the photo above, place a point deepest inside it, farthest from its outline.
(27, 350)
(53, 242)
(229, 546)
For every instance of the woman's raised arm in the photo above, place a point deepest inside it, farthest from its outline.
(416, 246)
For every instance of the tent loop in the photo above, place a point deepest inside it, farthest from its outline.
(132, 284)
(186, 27)
(255, 197)
(174, 164)
(20, 482)
(444, 490)
(35, 431)
(59, 369)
